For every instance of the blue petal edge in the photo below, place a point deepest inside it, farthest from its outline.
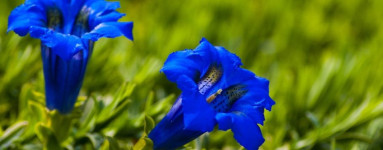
(182, 63)
(24, 16)
(110, 30)
(64, 45)
(198, 115)
(246, 132)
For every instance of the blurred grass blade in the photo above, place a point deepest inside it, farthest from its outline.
(110, 144)
(162, 106)
(88, 117)
(121, 96)
(96, 140)
(12, 134)
(143, 144)
(148, 124)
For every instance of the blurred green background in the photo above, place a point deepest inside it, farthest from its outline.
(323, 59)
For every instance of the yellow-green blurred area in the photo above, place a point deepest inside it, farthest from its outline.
(323, 59)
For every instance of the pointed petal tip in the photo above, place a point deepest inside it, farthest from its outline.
(270, 104)
(203, 40)
(110, 30)
(246, 133)
(9, 30)
(129, 29)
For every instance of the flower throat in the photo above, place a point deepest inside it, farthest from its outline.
(222, 99)
(57, 23)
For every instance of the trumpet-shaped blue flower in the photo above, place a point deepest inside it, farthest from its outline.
(67, 30)
(215, 90)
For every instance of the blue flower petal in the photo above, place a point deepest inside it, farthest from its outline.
(63, 45)
(110, 30)
(63, 78)
(192, 63)
(228, 62)
(259, 93)
(102, 11)
(198, 115)
(258, 88)
(255, 113)
(239, 76)
(255, 99)
(231, 60)
(24, 16)
(109, 17)
(207, 51)
(170, 133)
(224, 121)
(187, 85)
(246, 132)
(187, 63)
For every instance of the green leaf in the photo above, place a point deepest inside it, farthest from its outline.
(120, 99)
(47, 137)
(96, 140)
(37, 109)
(148, 124)
(88, 117)
(31, 146)
(162, 106)
(25, 95)
(12, 134)
(149, 101)
(143, 144)
(61, 125)
(110, 144)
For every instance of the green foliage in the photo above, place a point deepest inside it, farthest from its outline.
(12, 134)
(322, 57)
(144, 143)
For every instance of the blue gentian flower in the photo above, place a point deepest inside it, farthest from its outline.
(67, 30)
(215, 90)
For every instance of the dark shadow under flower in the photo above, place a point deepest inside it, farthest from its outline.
(215, 90)
(67, 30)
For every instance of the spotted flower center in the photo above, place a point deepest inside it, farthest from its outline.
(211, 77)
(222, 99)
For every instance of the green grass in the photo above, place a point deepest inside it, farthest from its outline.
(323, 59)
